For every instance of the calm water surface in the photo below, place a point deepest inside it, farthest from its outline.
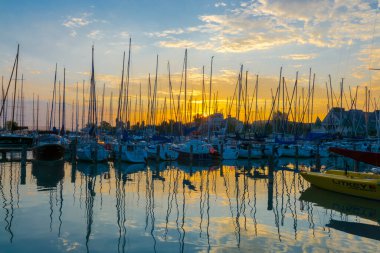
(171, 207)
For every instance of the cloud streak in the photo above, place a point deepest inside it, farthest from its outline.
(267, 24)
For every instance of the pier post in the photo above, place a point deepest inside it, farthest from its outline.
(158, 150)
(270, 183)
(221, 151)
(249, 151)
(119, 154)
(356, 163)
(73, 172)
(318, 159)
(96, 152)
(4, 155)
(191, 153)
(23, 156)
(297, 151)
(73, 150)
(23, 175)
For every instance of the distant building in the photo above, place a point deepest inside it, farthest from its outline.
(351, 122)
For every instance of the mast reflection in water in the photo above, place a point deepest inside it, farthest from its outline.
(172, 207)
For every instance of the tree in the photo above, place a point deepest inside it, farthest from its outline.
(11, 125)
(105, 126)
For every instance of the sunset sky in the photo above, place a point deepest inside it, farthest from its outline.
(340, 38)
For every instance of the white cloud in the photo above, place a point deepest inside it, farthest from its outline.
(77, 22)
(220, 4)
(299, 57)
(165, 33)
(265, 24)
(124, 35)
(73, 33)
(96, 35)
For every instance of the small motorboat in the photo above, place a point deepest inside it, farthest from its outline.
(49, 148)
(360, 184)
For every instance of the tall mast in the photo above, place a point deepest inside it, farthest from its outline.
(53, 100)
(63, 130)
(102, 111)
(185, 85)
(14, 91)
(38, 109)
(47, 116)
(127, 83)
(140, 108)
(83, 106)
(59, 104)
(76, 111)
(33, 127)
(120, 101)
(72, 116)
(257, 91)
(203, 90)
(92, 114)
(2, 97)
(22, 101)
(15, 65)
(312, 99)
(209, 100)
(246, 98)
(308, 98)
(110, 110)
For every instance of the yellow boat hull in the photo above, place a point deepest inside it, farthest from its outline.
(358, 184)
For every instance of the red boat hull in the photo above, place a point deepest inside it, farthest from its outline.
(361, 156)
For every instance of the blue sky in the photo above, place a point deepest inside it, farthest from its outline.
(332, 37)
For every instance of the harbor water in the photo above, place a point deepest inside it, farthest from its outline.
(238, 206)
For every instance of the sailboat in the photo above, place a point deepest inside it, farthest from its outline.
(50, 147)
(89, 149)
(125, 149)
(12, 140)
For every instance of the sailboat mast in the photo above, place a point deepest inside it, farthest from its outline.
(59, 104)
(14, 91)
(63, 130)
(120, 101)
(77, 110)
(38, 110)
(185, 85)
(53, 100)
(102, 111)
(210, 91)
(128, 73)
(110, 110)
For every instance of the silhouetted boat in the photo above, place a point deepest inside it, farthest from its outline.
(48, 173)
(49, 148)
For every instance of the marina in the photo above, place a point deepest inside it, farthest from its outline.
(189, 126)
(173, 207)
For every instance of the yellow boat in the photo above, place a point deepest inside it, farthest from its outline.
(360, 184)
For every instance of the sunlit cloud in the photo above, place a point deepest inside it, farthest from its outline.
(165, 33)
(76, 22)
(220, 4)
(266, 24)
(299, 57)
(124, 35)
(35, 72)
(185, 44)
(96, 35)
